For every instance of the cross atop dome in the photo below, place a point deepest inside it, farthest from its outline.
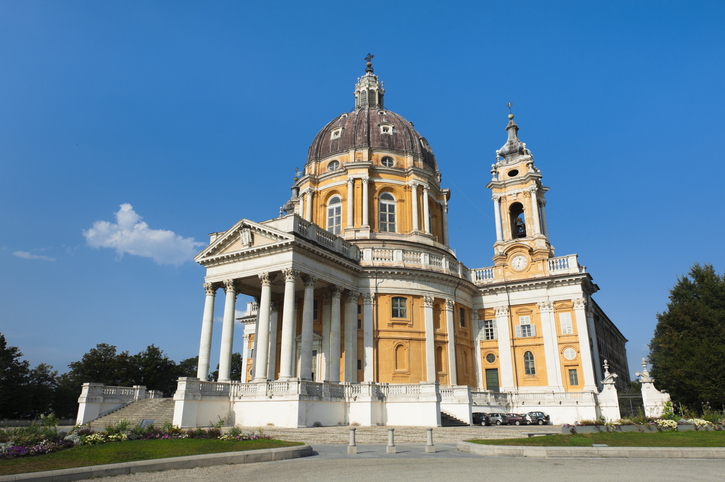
(369, 66)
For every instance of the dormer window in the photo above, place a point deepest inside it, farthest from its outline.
(387, 161)
(336, 133)
(333, 165)
(386, 129)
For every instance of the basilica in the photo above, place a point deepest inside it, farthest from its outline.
(364, 315)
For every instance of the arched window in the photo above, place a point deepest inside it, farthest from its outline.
(387, 213)
(518, 223)
(401, 358)
(439, 359)
(334, 215)
(529, 367)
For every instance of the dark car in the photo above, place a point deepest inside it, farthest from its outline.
(537, 417)
(481, 418)
(515, 419)
(498, 418)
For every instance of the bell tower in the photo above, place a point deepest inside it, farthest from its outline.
(522, 239)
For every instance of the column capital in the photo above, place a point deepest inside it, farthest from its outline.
(533, 189)
(365, 179)
(229, 285)
(546, 307)
(414, 184)
(274, 306)
(290, 274)
(428, 301)
(450, 304)
(309, 280)
(542, 202)
(496, 198)
(474, 314)
(368, 298)
(351, 296)
(579, 303)
(210, 288)
(350, 180)
(501, 310)
(426, 187)
(335, 291)
(266, 278)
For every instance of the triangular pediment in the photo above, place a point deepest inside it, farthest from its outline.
(243, 236)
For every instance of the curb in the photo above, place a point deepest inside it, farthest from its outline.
(593, 452)
(186, 462)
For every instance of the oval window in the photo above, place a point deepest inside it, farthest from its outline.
(490, 358)
(388, 162)
(333, 165)
(569, 354)
(513, 173)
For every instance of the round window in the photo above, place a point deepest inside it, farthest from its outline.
(490, 358)
(388, 162)
(569, 354)
(513, 173)
(332, 165)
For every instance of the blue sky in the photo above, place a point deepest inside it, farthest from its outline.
(189, 116)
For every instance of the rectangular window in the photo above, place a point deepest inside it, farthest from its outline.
(399, 307)
(489, 329)
(565, 322)
(359, 309)
(359, 324)
(463, 318)
(314, 309)
(573, 377)
(525, 329)
(251, 353)
(359, 364)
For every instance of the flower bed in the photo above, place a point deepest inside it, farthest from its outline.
(648, 425)
(39, 440)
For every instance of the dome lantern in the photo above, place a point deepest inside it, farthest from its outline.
(369, 90)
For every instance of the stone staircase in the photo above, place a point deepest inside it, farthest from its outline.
(159, 410)
(448, 420)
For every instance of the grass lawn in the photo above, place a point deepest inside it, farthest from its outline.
(630, 439)
(129, 451)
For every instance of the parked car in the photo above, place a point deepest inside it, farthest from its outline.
(515, 419)
(537, 417)
(498, 418)
(481, 418)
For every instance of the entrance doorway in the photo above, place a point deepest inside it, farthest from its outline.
(492, 379)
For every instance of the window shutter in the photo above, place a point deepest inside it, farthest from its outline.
(495, 330)
(533, 330)
(518, 331)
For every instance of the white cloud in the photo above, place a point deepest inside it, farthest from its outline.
(131, 235)
(26, 255)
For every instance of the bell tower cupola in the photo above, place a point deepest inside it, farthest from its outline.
(522, 237)
(369, 91)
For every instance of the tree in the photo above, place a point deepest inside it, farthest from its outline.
(153, 369)
(236, 368)
(14, 374)
(189, 367)
(687, 351)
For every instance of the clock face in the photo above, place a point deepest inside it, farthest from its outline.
(519, 262)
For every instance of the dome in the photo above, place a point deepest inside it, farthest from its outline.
(371, 127)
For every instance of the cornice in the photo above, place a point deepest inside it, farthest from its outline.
(581, 279)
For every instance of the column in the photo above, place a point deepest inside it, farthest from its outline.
(586, 354)
(245, 357)
(255, 305)
(504, 348)
(477, 347)
(335, 335)
(368, 372)
(225, 355)
(325, 365)
(426, 211)
(595, 346)
(535, 209)
(497, 213)
(450, 329)
(308, 205)
(273, 319)
(430, 362)
(307, 322)
(551, 344)
(207, 326)
(288, 325)
(543, 218)
(444, 213)
(414, 199)
(351, 336)
(350, 202)
(262, 333)
(365, 220)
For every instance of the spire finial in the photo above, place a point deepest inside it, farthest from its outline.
(369, 65)
(296, 174)
(511, 116)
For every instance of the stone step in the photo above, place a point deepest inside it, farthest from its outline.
(160, 410)
(448, 420)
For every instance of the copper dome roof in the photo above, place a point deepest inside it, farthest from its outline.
(362, 128)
